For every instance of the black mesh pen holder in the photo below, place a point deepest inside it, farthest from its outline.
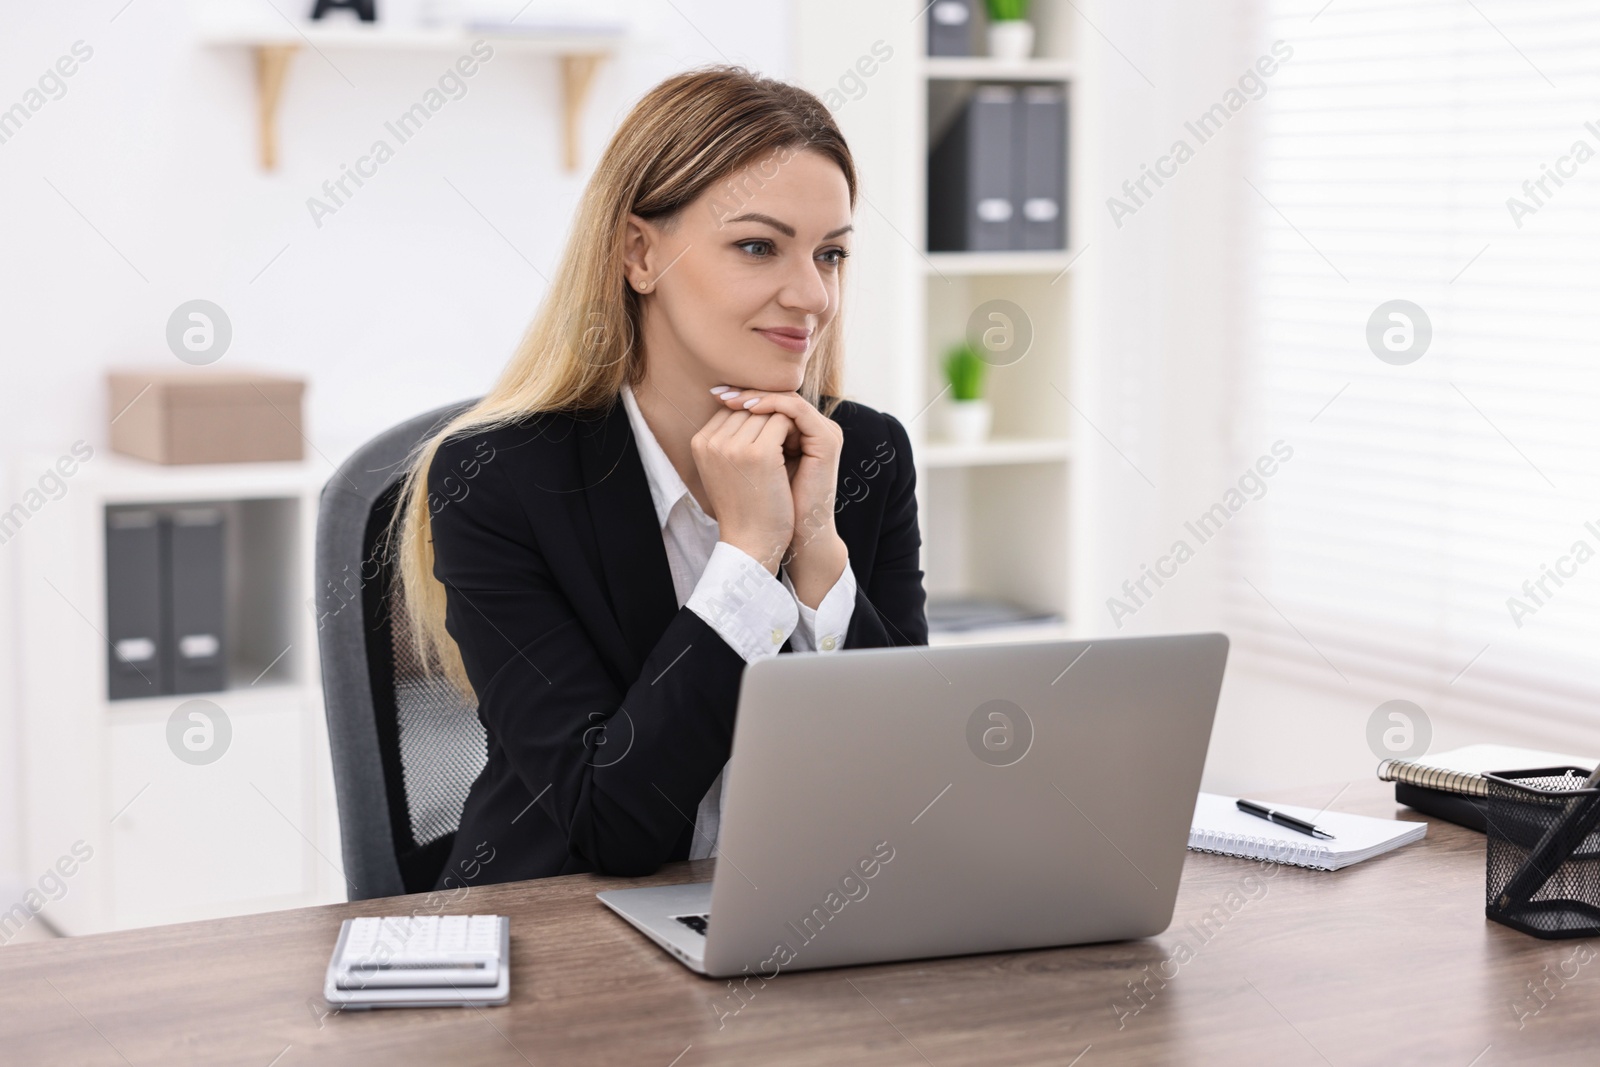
(1543, 865)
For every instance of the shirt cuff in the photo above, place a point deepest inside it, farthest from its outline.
(740, 599)
(823, 630)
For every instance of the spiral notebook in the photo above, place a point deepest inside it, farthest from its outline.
(1462, 770)
(1450, 785)
(1222, 828)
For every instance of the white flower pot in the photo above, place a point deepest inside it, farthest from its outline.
(966, 422)
(1011, 40)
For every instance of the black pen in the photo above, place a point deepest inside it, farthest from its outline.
(1261, 811)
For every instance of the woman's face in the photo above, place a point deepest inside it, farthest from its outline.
(744, 282)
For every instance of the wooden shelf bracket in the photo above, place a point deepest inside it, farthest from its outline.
(577, 77)
(272, 66)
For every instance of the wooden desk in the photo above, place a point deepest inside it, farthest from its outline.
(1389, 962)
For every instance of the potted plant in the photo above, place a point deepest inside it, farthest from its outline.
(967, 416)
(1010, 32)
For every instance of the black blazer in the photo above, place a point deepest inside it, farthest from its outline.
(609, 709)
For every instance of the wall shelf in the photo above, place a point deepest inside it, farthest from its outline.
(1051, 263)
(126, 480)
(238, 698)
(1027, 631)
(996, 452)
(983, 68)
(275, 46)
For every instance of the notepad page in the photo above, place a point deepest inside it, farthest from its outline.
(1479, 759)
(1356, 837)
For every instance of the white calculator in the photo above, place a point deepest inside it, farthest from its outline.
(421, 961)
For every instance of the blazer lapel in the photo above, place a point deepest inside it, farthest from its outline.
(633, 557)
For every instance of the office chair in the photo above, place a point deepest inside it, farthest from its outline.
(406, 748)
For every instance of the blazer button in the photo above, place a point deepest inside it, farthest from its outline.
(828, 643)
(777, 636)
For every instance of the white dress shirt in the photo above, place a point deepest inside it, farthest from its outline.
(750, 609)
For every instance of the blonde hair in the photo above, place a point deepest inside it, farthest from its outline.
(694, 131)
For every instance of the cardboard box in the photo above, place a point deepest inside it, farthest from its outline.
(206, 416)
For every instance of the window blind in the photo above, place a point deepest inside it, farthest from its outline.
(1405, 152)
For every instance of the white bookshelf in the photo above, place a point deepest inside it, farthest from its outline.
(998, 518)
(253, 831)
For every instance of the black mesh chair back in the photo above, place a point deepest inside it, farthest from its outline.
(406, 748)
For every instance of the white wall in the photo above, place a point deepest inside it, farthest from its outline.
(405, 299)
(1165, 313)
(1165, 325)
(1171, 321)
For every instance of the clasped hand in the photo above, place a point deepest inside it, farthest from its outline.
(770, 471)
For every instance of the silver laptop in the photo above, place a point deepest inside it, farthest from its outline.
(888, 804)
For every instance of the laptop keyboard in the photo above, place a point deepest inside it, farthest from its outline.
(697, 923)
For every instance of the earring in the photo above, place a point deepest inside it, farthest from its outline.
(643, 287)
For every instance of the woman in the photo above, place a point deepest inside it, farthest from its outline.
(662, 487)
